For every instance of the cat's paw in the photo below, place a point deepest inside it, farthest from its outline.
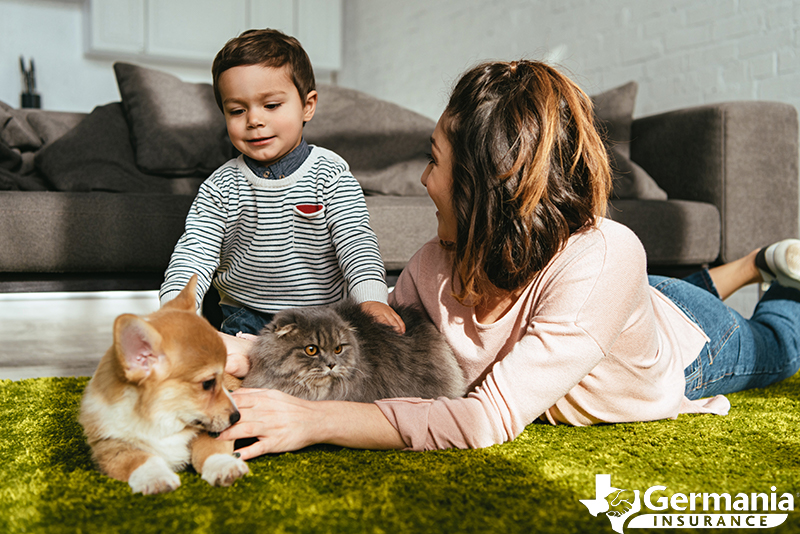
(153, 476)
(223, 469)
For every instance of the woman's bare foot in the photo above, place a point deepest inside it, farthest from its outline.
(731, 277)
(779, 261)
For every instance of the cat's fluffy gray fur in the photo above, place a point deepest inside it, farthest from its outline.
(353, 357)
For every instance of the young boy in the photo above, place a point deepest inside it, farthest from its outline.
(285, 224)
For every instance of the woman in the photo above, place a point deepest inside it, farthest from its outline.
(547, 304)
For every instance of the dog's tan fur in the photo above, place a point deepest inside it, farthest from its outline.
(156, 394)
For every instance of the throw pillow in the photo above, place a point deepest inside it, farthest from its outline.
(8, 180)
(50, 125)
(25, 131)
(631, 181)
(176, 127)
(22, 182)
(614, 112)
(97, 155)
(10, 159)
(384, 144)
(15, 131)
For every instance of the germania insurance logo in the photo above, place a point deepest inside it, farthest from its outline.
(679, 510)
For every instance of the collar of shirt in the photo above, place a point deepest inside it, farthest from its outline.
(284, 166)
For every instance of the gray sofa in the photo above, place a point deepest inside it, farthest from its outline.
(97, 201)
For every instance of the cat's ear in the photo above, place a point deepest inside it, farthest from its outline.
(282, 330)
(286, 329)
(284, 323)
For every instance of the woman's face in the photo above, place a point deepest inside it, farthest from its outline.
(438, 180)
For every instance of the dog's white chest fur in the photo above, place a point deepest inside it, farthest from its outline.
(165, 435)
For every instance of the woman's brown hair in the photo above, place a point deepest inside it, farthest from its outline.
(270, 48)
(529, 170)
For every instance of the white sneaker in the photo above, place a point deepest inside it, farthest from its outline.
(783, 260)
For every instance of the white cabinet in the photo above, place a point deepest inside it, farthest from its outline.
(114, 26)
(277, 14)
(319, 28)
(193, 31)
(317, 24)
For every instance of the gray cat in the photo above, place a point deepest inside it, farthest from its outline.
(340, 352)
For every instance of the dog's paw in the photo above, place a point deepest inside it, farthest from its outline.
(223, 469)
(153, 476)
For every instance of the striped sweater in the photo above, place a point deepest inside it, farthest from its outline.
(303, 240)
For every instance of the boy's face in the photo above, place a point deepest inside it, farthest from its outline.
(263, 111)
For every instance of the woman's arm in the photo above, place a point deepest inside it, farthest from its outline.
(581, 304)
(284, 423)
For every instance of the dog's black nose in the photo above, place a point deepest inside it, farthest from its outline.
(235, 418)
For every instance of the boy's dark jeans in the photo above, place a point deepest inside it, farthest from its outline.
(242, 320)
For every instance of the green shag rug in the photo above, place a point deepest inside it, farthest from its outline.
(533, 484)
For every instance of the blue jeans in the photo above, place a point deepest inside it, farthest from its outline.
(743, 353)
(242, 320)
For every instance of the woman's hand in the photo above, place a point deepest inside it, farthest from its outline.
(284, 423)
(384, 314)
(238, 348)
(280, 422)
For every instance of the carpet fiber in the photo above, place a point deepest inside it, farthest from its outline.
(533, 484)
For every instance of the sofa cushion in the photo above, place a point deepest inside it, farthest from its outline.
(178, 130)
(675, 232)
(97, 155)
(89, 232)
(614, 111)
(175, 126)
(402, 224)
(384, 144)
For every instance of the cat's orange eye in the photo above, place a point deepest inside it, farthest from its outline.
(338, 349)
(311, 350)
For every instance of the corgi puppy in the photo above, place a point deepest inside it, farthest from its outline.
(156, 395)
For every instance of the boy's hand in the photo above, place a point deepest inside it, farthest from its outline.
(384, 314)
(238, 347)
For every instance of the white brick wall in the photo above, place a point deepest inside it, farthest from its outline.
(682, 52)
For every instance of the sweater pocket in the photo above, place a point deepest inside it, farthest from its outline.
(310, 228)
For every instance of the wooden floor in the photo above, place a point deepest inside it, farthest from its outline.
(65, 334)
(61, 334)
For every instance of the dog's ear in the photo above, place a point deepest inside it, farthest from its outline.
(138, 347)
(187, 298)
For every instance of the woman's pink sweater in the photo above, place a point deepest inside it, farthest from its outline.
(588, 341)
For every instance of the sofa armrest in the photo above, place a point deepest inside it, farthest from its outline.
(740, 156)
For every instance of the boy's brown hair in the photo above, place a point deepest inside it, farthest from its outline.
(270, 48)
(529, 170)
